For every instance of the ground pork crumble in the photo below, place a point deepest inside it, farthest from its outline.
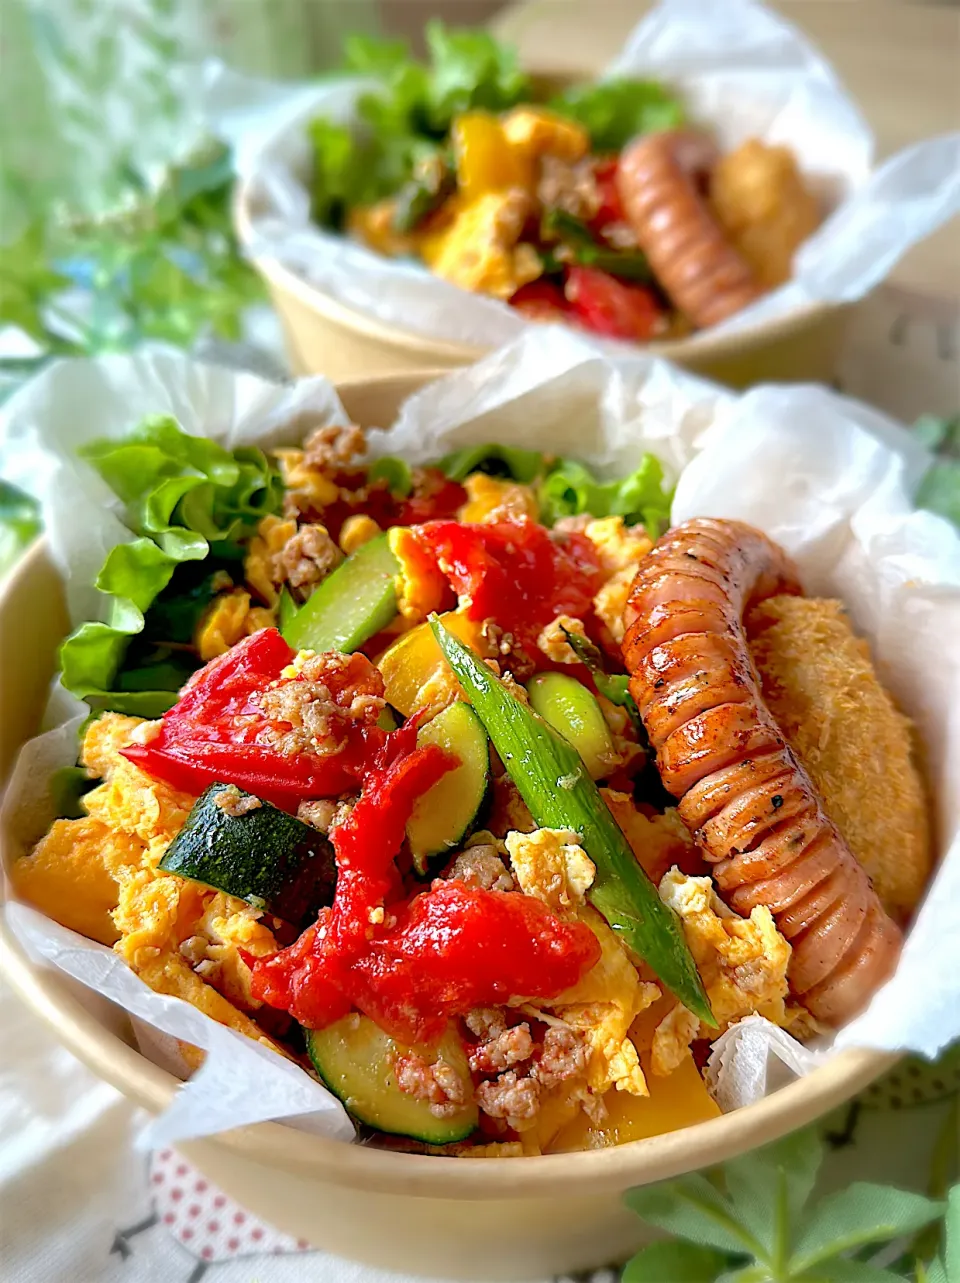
(481, 866)
(334, 446)
(324, 814)
(305, 559)
(233, 803)
(516, 1069)
(311, 710)
(438, 1083)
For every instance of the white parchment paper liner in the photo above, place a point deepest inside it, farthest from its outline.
(829, 478)
(743, 71)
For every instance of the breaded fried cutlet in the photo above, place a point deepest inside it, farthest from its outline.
(819, 683)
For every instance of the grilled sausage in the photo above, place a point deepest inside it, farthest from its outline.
(701, 271)
(748, 802)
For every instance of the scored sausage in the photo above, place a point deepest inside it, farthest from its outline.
(690, 255)
(742, 793)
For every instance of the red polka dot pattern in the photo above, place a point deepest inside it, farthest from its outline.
(204, 1220)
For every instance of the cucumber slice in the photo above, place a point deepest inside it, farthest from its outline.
(352, 603)
(446, 812)
(355, 1059)
(573, 711)
(264, 856)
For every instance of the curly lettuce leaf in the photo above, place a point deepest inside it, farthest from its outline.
(405, 120)
(184, 497)
(939, 490)
(496, 460)
(614, 111)
(570, 488)
(469, 69)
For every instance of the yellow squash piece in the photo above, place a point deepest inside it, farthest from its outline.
(679, 1100)
(415, 674)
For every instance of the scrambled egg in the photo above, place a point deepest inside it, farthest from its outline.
(356, 531)
(72, 875)
(551, 865)
(272, 534)
(98, 875)
(553, 642)
(479, 250)
(658, 841)
(742, 961)
(307, 482)
(228, 619)
(491, 499)
(620, 547)
(421, 587)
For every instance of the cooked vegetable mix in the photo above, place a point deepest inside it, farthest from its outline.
(396, 811)
(601, 206)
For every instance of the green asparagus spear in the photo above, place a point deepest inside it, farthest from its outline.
(560, 794)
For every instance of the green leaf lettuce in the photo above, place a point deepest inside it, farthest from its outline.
(183, 495)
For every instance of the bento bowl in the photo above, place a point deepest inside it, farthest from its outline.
(326, 336)
(489, 1219)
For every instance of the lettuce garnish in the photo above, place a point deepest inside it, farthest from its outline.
(187, 499)
(567, 488)
(614, 111)
(407, 118)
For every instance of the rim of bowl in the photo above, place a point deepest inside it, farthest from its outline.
(703, 346)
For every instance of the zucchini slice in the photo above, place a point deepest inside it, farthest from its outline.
(352, 603)
(356, 1059)
(573, 711)
(446, 812)
(262, 855)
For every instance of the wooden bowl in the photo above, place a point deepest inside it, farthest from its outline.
(482, 1219)
(325, 336)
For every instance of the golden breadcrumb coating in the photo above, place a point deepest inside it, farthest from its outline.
(820, 685)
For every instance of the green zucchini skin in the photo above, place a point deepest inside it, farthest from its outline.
(265, 856)
(350, 605)
(573, 711)
(355, 1059)
(447, 812)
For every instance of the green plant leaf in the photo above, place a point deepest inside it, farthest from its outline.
(939, 490)
(614, 111)
(570, 488)
(693, 1209)
(182, 495)
(861, 1214)
(678, 1262)
(748, 1274)
(769, 1188)
(841, 1270)
(497, 460)
(935, 1272)
(469, 69)
(952, 1236)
